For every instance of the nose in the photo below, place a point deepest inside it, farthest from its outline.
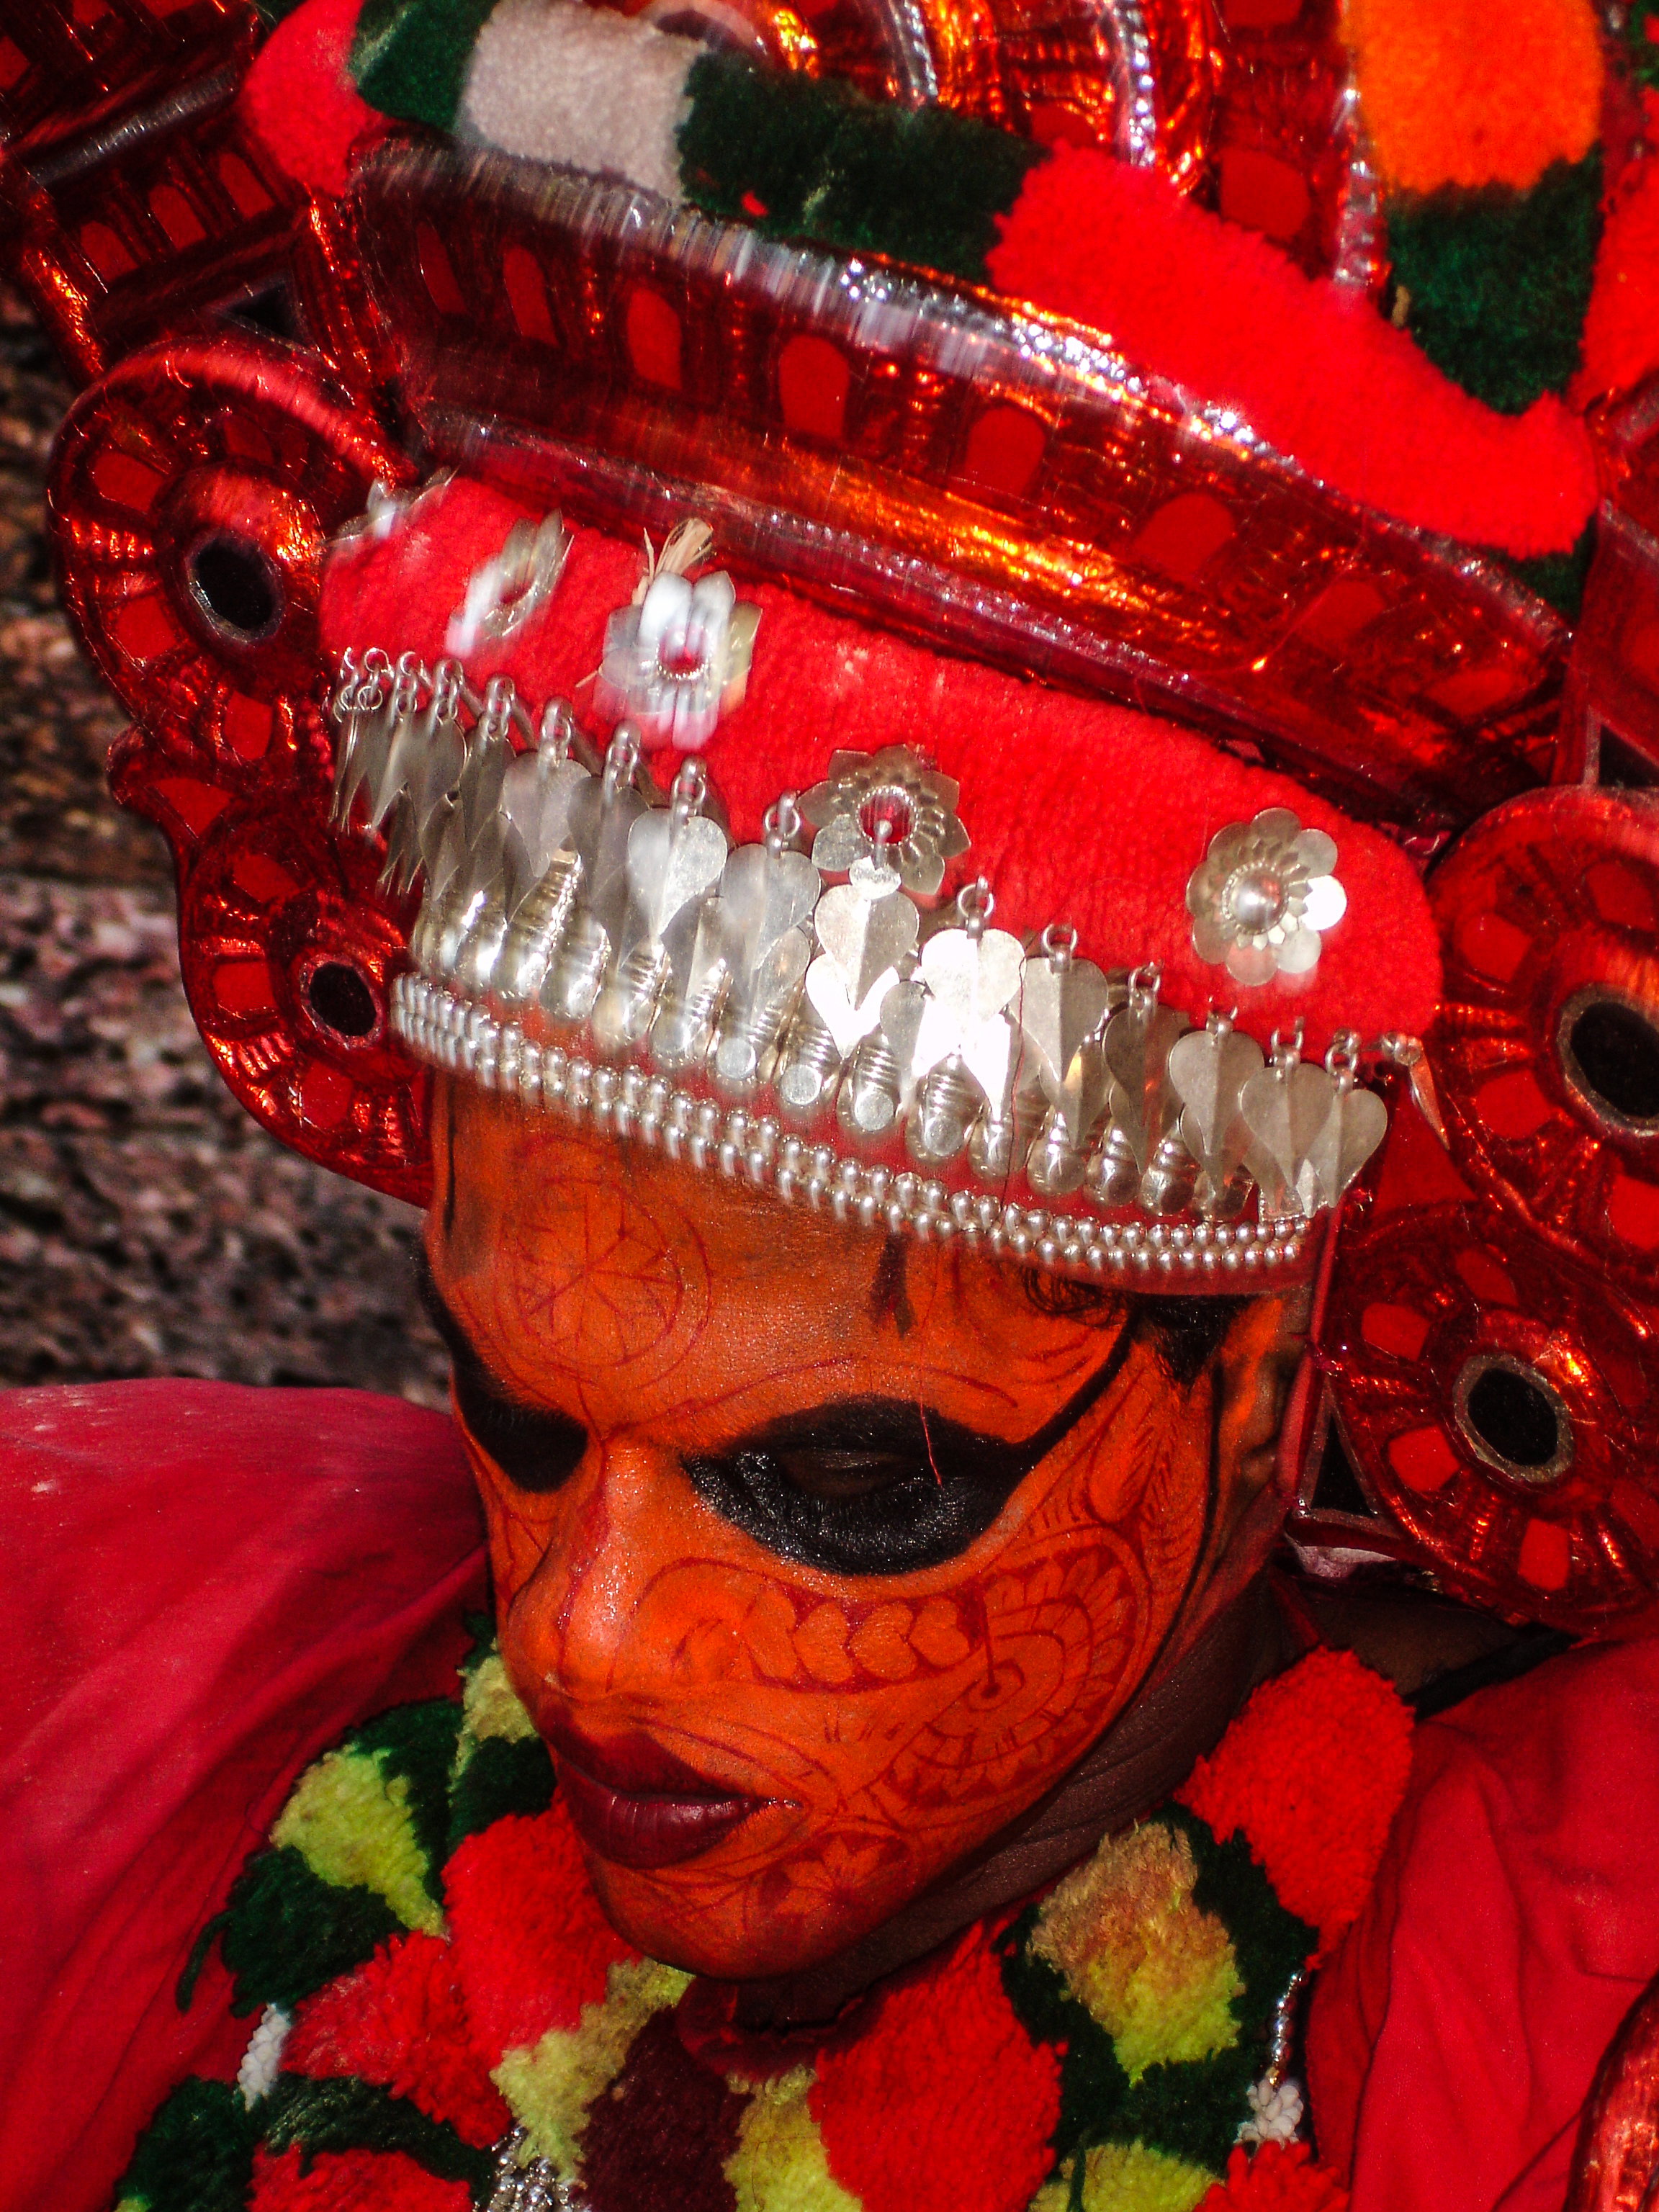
(572, 1622)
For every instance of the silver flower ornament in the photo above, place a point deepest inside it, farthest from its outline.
(678, 660)
(878, 811)
(1263, 896)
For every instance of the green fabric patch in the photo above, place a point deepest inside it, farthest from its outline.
(501, 1777)
(418, 1742)
(1497, 282)
(410, 58)
(343, 2113)
(801, 158)
(1644, 45)
(197, 2154)
(284, 1933)
(1559, 579)
(1092, 2083)
(1190, 2109)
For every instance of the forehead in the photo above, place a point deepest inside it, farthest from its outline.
(601, 1276)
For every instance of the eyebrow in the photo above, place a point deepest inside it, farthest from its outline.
(897, 1428)
(910, 1429)
(463, 1353)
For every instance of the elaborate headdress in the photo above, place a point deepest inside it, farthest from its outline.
(856, 539)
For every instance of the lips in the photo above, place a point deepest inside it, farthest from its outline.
(637, 1805)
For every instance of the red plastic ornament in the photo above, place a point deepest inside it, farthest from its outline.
(1498, 1402)
(1545, 1048)
(193, 492)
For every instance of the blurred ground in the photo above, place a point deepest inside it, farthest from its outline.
(147, 1226)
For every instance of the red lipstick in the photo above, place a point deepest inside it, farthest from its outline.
(637, 1805)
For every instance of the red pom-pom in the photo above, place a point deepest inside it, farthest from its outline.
(351, 2181)
(1279, 2178)
(1621, 329)
(531, 1946)
(945, 2099)
(1353, 398)
(301, 100)
(1312, 1773)
(399, 2021)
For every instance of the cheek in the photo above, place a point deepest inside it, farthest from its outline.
(967, 1687)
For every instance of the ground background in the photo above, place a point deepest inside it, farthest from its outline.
(147, 1226)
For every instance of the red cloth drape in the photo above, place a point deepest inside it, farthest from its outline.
(204, 1586)
(1515, 1921)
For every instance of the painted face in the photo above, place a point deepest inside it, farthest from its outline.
(819, 1556)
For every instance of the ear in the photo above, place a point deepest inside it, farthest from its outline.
(1251, 1371)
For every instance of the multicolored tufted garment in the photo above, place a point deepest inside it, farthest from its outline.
(446, 2019)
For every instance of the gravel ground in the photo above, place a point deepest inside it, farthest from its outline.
(147, 1226)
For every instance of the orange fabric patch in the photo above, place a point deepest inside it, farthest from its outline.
(1475, 91)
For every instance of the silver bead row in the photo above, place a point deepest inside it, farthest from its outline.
(628, 1102)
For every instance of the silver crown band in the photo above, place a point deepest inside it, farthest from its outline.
(806, 1019)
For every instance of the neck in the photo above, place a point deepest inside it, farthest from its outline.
(1147, 1752)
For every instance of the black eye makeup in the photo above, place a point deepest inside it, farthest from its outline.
(878, 1485)
(535, 1448)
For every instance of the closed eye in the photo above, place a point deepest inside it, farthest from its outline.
(536, 1447)
(879, 1485)
(862, 1486)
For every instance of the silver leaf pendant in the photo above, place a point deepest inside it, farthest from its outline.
(1062, 1003)
(537, 793)
(1208, 1070)
(972, 979)
(601, 819)
(1137, 1044)
(863, 938)
(1285, 1108)
(763, 895)
(1355, 1126)
(673, 860)
(847, 1019)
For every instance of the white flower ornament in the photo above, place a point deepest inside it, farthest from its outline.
(679, 658)
(1262, 897)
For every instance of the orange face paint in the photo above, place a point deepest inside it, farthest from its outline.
(819, 1557)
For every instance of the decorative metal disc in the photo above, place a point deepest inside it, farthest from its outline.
(191, 495)
(289, 953)
(1500, 1404)
(1545, 1048)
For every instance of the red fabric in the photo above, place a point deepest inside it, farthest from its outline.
(351, 2181)
(1080, 812)
(204, 1586)
(1277, 2178)
(531, 1946)
(945, 2099)
(299, 99)
(399, 2021)
(1621, 329)
(1312, 1771)
(1515, 1921)
(1314, 369)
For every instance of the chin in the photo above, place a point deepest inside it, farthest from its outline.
(749, 1934)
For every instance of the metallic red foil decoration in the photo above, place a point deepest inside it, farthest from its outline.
(1617, 2153)
(1546, 1049)
(133, 200)
(1498, 1402)
(997, 481)
(193, 493)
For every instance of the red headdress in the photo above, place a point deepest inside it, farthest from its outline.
(1030, 716)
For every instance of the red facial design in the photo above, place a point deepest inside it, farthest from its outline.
(817, 1557)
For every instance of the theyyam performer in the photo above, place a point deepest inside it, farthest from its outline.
(939, 713)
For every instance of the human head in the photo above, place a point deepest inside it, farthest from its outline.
(873, 1537)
